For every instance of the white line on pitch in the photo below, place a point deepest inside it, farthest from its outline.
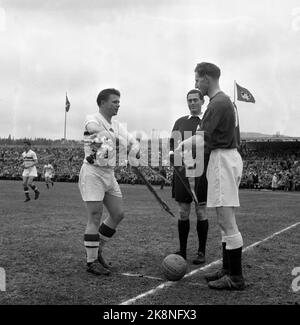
(196, 284)
(169, 283)
(138, 275)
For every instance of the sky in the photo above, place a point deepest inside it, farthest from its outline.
(148, 50)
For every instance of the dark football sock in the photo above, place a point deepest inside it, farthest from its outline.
(26, 191)
(202, 229)
(106, 231)
(235, 261)
(183, 232)
(225, 257)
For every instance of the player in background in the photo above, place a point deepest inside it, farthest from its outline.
(97, 183)
(256, 185)
(183, 124)
(30, 172)
(48, 172)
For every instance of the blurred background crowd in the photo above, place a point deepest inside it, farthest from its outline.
(267, 165)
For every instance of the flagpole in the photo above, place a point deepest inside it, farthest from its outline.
(234, 91)
(65, 121)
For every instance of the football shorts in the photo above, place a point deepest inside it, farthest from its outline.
(95, 182)
(224, 173)
(179, 191)
(48, 175)
(30, 172)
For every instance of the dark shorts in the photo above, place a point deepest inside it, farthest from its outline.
(180, 194)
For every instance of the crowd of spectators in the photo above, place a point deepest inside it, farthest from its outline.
(260, 166)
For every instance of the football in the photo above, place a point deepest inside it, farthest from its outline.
(174, 267)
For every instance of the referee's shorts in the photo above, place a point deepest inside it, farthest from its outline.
(179, 192)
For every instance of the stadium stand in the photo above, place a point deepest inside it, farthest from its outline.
(261, 157)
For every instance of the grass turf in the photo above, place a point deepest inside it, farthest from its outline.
(43, 255)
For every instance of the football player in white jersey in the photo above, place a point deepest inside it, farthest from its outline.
(48, 172)
(29, 173)
(97, 183)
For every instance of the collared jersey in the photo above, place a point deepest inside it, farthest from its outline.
(220, 123)
(184, 128)
(48, 168)
(28, 158)
(113, 131)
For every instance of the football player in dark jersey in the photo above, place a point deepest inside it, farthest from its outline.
(220, 127)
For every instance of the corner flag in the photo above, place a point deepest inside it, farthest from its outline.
(67, 104)
(244, 94)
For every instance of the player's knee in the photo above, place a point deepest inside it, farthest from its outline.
(228, 228)
(184, 214)
(201, 213)
(201, 217)
(184, 211)
(94, 217)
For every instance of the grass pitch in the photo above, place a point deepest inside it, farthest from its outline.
(43, 255)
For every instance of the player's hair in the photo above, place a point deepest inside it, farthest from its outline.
(210, 69)
(195, 91)
(105, 93)
(27, 142)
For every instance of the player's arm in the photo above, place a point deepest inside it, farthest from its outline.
(191, 142)
(93, 127)
(203, 135)
(94, 133)
(20, 161)
(35, 160)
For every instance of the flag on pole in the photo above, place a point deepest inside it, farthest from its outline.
(67, 104)
(244, 94)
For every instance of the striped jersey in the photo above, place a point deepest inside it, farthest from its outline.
(29, 158)
(111, 133)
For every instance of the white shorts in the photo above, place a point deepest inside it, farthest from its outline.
(95, 182)
(48, 175)
(30, 172)
(224, 173)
